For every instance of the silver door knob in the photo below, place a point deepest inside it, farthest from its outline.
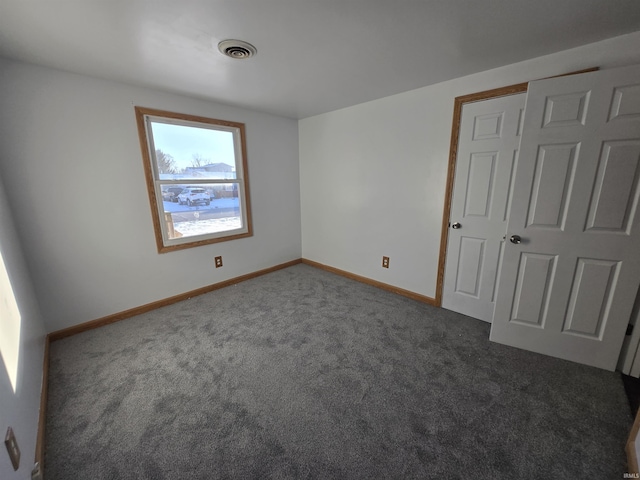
(515, 239)
(456, 225)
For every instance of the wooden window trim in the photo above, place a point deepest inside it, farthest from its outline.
(141, 113)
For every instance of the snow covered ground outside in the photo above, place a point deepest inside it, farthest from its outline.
(203, 227)
(190, 228)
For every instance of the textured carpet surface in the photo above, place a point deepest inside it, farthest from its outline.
(305, 374)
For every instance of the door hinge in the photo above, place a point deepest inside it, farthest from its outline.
(629, 329)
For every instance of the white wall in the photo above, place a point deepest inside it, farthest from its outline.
(19, 400)
(373, 176)
(72, 166)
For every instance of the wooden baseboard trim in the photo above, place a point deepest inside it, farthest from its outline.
(116, 317)
(42, 417)
(375, 283)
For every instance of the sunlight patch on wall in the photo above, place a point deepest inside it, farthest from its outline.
(10, 323)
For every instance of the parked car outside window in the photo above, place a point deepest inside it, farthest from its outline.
(171, 194)
(193, 196)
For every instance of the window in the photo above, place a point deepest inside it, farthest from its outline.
(196, 171)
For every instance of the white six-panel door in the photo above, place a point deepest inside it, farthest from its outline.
(488, 142)
(567, 290)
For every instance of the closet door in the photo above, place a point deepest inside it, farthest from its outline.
(571, 266)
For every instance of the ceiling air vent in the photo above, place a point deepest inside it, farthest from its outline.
(237, 49)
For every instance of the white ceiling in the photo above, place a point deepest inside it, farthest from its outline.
(314, 56)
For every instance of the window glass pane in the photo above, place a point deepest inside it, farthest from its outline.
(193, 153)
(203, 209)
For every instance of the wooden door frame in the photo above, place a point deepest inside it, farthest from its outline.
(458, 103)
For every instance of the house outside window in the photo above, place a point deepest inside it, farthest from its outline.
(196, 173)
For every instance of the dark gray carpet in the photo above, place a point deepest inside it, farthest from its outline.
(305, 374)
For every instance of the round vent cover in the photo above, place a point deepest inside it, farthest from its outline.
(237, 49)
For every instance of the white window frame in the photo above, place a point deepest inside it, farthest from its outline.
(144, 118)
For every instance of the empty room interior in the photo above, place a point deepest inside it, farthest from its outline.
(283, 239)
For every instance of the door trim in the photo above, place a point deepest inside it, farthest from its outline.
(458, 103)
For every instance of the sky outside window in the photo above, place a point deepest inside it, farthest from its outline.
(183, 142)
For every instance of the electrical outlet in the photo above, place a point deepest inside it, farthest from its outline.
(12, 447)
(218, 261)
(385, 262)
